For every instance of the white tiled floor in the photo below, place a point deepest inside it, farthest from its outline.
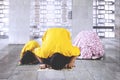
(106, 69)
(3, 43)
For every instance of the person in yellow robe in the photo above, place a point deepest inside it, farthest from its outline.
(57, 49)
(31, 46)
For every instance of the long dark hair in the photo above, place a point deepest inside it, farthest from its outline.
(58, 61)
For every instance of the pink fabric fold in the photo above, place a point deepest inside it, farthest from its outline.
(89, 44)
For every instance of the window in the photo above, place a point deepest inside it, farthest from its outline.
(103, 17)
(4, 10)
(50, 13)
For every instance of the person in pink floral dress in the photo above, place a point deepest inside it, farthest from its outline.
(90, 45)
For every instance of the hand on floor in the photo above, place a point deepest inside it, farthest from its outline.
(44, 66)
(70, 65)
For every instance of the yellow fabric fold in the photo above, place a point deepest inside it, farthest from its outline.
(54, 40)
(30, 45)
(57, 40)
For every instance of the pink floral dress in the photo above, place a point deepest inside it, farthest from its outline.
(89, 44)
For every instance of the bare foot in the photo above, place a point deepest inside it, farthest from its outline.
(19, 63)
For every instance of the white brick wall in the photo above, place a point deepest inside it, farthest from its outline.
(117, 18)
(19, 21)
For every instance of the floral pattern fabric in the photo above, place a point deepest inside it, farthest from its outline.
(90, 45)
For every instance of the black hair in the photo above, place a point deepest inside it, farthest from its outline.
(29, 58)
(58, 61)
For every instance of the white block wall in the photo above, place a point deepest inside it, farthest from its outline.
(117, 19)
(19, 19)
(82, 16)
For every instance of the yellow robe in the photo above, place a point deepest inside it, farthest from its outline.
(30, 45)
(56, 40)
